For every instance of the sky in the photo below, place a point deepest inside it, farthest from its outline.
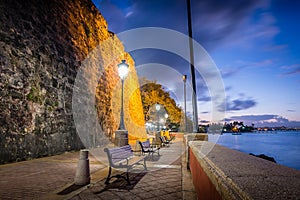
(254, 45)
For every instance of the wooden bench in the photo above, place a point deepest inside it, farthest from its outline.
(146, 147)
(122, 158)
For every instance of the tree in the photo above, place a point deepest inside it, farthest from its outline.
(153, 93)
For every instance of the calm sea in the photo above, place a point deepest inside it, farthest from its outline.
(284, 147)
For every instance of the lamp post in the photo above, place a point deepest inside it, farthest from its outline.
(121, 137)
(192, 68)
(157, 107)
(184, 77)
(123, 71)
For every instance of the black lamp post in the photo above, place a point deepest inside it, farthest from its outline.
(123, 69)
(184, 77)
(192, 67)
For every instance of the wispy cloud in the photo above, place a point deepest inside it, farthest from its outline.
(229, 71)
(129, 14)
(255, 34)
(291, 69)
(222, 21)
(204, 98)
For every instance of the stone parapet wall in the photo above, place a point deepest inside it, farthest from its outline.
(222, 173)
(42, 47)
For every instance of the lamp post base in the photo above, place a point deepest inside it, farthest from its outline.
(121, 138)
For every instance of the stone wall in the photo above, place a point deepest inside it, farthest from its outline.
(222, 173)
(43, 45)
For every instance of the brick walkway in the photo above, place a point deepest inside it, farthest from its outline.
(46, 177)
(35, 178)
(160, 184)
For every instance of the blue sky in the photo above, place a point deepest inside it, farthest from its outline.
(254, 43)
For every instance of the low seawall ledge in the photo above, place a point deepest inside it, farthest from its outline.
(222, 173)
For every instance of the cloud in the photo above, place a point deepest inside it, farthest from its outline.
(136, 13)
(213, 20)
(246, 24)
(228, 88)
(113, 13)
(253, 118)
(291, 69)
(256, 33)
(276, 47)
(269, 120)
(129, 14)
(229, 71)
(238, 104)
(204, 98)
(239, 65)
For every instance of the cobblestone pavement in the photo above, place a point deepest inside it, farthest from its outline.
(159, 184)
(35, 178)
(166, 178)
(53, 178)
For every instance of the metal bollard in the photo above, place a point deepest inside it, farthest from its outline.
(82, 176)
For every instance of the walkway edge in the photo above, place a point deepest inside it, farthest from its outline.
(188, 189)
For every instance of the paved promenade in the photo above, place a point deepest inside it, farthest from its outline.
(53, 178)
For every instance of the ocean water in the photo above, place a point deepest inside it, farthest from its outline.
(284, 147)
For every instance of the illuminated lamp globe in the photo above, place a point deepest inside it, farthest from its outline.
(123, 69)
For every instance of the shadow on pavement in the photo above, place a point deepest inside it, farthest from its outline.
(70, 189)
(153, 158)
(121, 184)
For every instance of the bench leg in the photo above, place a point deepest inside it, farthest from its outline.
(108, 176)
(127, 177)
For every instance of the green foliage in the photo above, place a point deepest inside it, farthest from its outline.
(51, 104)
(153, 93)
(35, 94)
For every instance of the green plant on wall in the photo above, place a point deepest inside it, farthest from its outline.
(35, 95)
(51, 104)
